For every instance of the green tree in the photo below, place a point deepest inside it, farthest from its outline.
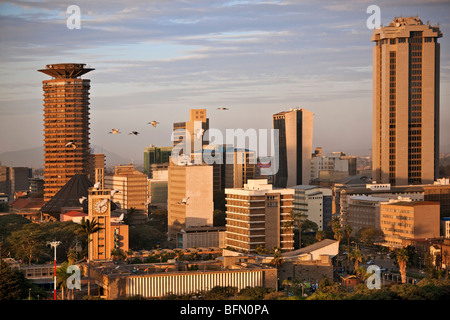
(158, 220)
(90, 228)
(253, 293)
(28, 243)
(61, 278)
(337, 228)
(118, 255)
(145, 236)
(369, 235)
(357, 256)
(299, 218)
(277, 260)
(14, 285)
(10, 223)
(260, 249)
(348, 232)
(320, 235)
(402, 257)
(221, 293)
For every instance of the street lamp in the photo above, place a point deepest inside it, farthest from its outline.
(54, 244)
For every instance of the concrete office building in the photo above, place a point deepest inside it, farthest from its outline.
(96, 169)
(364, 212)
(237, 167)
(332, 167)
(19, 180)
(315, 202)
(439, 192)
(295, 147)
(193, 130)
(158, 188)
(402, 221)
(406, 64)
(66, 125)
(415, 193)
(132, 186)
(259, 215)
(156, 158)
(194, 184)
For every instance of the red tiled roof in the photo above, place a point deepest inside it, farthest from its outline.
(28, 203)
(75, 214)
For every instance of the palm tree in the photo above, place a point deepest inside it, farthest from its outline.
(129, 254)
(357, 256)
(402, 258)
(320, 235)
(300, 218)
(72, 256)
(61, 278)
(260, 249)
(277, 260)
(337, 229)
(90, 228)
(348, 232)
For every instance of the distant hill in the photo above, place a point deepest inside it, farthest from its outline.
(34, 158)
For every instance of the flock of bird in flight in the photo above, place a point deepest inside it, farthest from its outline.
(153, 123)
(117, 131)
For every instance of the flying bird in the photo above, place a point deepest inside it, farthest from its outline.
(97, 185)
(114, 192)
(153, 123)
(71, 144)
(222, 108)
(115, 131)
(184, 201)
(199, 133)
(134, 132)
(82, 199)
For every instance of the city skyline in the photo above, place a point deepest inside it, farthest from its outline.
(162, 59)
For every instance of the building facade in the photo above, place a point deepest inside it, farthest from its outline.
(415, 193)
(132, 187)
(156, 158)
(190, 198)
(316, 203)
(406, 63)
(295, 129)
(364, 212)
(402, 221)
(259, 215)
(66, 125)
(332, 167)
(192, 134)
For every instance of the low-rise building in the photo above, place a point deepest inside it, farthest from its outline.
(196, 237)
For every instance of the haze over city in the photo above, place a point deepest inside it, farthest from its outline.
(156, 60)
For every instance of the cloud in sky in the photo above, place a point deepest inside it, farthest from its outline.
(158, 59)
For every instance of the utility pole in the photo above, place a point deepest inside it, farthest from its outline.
(54, 244)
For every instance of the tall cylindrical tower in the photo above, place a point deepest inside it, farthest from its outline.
(66, 125)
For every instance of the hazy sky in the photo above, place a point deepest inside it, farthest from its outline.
(155, 60)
